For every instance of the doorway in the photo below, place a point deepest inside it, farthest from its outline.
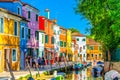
(6, 57)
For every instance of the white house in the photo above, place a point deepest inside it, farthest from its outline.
(56, 39)
(41, 43)
(81, 42)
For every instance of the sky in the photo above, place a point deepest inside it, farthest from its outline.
(63, 11)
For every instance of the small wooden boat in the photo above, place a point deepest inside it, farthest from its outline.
(78, 66)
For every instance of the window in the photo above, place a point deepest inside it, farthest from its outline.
(99, 55)
(99, 48)
(1, 25)
(84, 55)
(30, 52)
(46, 38)
(36, 35)
(29, 33)
(36, 17)
(77, 39)
(14, 55)
(46, 24)
(83, 47)
(52, 26)
(29, 15)
(15, 28)
(18, 11)
(92, 55)
(42, 38)
(23, 32)
(83, 39)
(61, 44)
(37, 51)
(92, 47)
(64, 44)
(52, 40)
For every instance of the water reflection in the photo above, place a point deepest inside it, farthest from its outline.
(85, 74)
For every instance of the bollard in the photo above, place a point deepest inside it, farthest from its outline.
(55, 74)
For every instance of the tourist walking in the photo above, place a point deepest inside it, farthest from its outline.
(43, 62)
(39, 62)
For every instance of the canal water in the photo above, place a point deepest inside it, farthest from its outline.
(84, 74)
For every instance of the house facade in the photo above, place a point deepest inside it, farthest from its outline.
(81, 42)
(41, 35)
(49, 38)
(63, 42)
(57, 41)
(15, 6)
(9, 40)
(94, 50)
(31, 14)
(69, 45)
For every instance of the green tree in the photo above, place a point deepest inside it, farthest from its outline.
(74, 30)
(105, 19)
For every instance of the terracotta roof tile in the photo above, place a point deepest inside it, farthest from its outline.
(90, 41)
(78, 34)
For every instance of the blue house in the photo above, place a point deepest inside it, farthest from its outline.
(15, 6)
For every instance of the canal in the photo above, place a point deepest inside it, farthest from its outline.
(84, 74)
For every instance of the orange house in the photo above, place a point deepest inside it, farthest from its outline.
(49, 39)
(63, 40)
(94, 51)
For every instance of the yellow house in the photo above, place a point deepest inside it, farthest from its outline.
(69, 45)
(9, 40)
(94, 51)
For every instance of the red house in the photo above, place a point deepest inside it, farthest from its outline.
(42, 23)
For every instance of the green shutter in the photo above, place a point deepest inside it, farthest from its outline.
(46, 38)
(64, 44)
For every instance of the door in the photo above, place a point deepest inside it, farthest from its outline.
(6, 57)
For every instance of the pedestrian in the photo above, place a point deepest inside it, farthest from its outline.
(43, 62)
(39, 62)
(33, 63)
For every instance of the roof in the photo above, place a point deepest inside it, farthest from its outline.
(6, 11)
(90, 41)
(63, 28)
(78, 34)
(24, 4)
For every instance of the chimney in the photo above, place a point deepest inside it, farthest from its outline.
(47, 13)
(54, 20)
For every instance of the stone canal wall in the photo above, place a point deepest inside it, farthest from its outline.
(116, 66)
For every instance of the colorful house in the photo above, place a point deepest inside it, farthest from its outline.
(81, 42)
(57, 41)
(69, 45)
(31, 14)
(15, 6)
(74, 49)
(49, 37)
(63, 41)
(94, 50)
(9, 40)
(41, 35)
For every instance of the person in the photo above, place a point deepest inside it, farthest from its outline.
(33, 63)
(43, 62)
(39, 62)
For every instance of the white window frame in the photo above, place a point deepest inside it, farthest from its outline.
(3, 24)
(16, 54)
(24, 32)
(14, 28)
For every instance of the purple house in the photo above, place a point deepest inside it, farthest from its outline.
(31, 13)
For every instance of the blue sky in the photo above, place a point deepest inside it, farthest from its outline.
(63, 11)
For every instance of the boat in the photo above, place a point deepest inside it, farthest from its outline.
(78, 66)
(100, 63)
